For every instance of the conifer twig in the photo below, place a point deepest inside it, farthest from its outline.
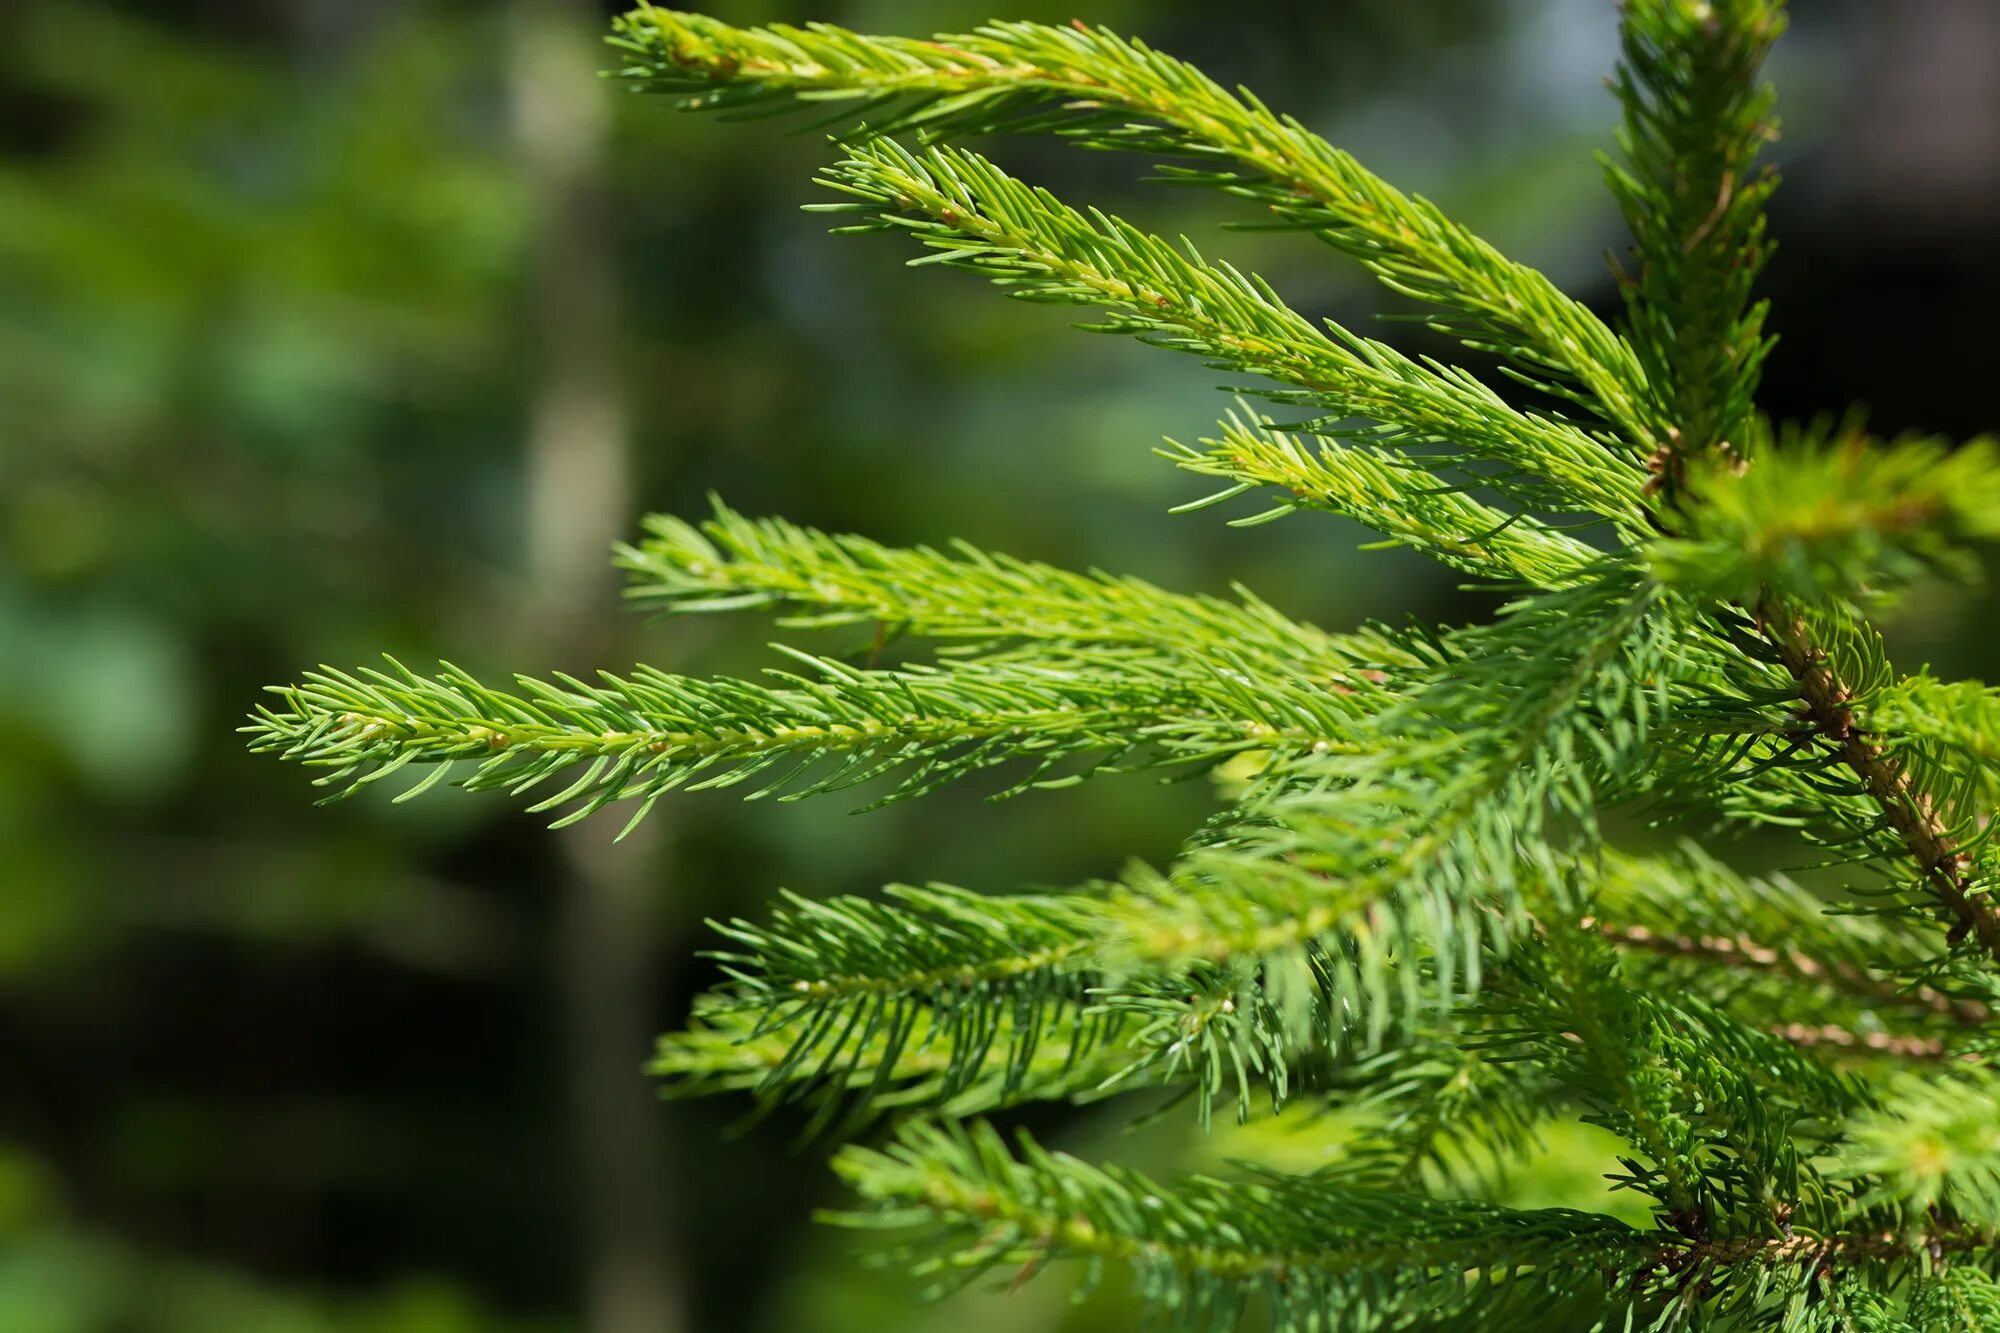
(973, 215)
(1696, 118)
(1743, 951)
(1112, 93)
(1407, 898)
(1830, 707)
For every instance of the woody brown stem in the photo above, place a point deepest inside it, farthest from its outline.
(1880, 1043)
(1743, 951)
(1828, 1250)
(1829, 707)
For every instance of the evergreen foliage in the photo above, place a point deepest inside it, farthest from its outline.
(1416, 905)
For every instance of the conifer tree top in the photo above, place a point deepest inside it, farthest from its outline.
(1409, 905)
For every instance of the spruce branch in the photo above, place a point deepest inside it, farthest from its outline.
(1824, 516)
(1405, 902)
(1952, 876)
(1845, 985)
(972, 215)
(728, 1047)
(1104, 91)
(1200, 1248)
(1311, 872)
(1371, 891)
(1319, 1254)
(953, 990)
(1878, 1043)
(1721, 1109)
(967, 595)
(1780, 737)
(1931, 1151)
(1455, 778)
(1447, 1113)
(1696, 118)
(1832, 517)
(1919, 713)
(1960, 1299)
(1691, 906)
(1744, 952)
(1575, 996)
(1744, 745)
(1385, 491)
(824, 728)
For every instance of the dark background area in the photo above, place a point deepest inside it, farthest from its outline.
(330, 327)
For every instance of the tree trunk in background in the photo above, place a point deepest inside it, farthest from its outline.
(578, 498)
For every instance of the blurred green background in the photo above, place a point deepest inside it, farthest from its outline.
(329, 327)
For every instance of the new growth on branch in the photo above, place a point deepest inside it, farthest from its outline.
(1411, 903)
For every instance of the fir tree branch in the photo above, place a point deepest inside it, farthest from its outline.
(1719, 1107)
(818, 579)
(827, 952)
(1107, 92)
(1323, 1255)
(1742, 951)
(1578, 998)
(1369, 891)
(1816, 518)
(1443, 1115)
(1373, 487)
(1201, 1249)
(1693, 907)
(1960, 717)
(1832, 517)
(1808, 1253)
(1744, 745)
(1416, 862)
(1886, 778)
(1314, 873)
(1931, 1152)
(959, 993)
(1695, 120)
(1778, 530)
(1434, 808)
(729, 1046)
(1960, 1299)
(836, 727)
(972, 215)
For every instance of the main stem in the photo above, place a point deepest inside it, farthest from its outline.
(1829, 706)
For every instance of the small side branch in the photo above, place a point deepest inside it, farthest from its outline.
(1742, 951)
(1826, 1251)
(1878, 1043)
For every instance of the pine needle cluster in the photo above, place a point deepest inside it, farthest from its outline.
(1411, 907)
